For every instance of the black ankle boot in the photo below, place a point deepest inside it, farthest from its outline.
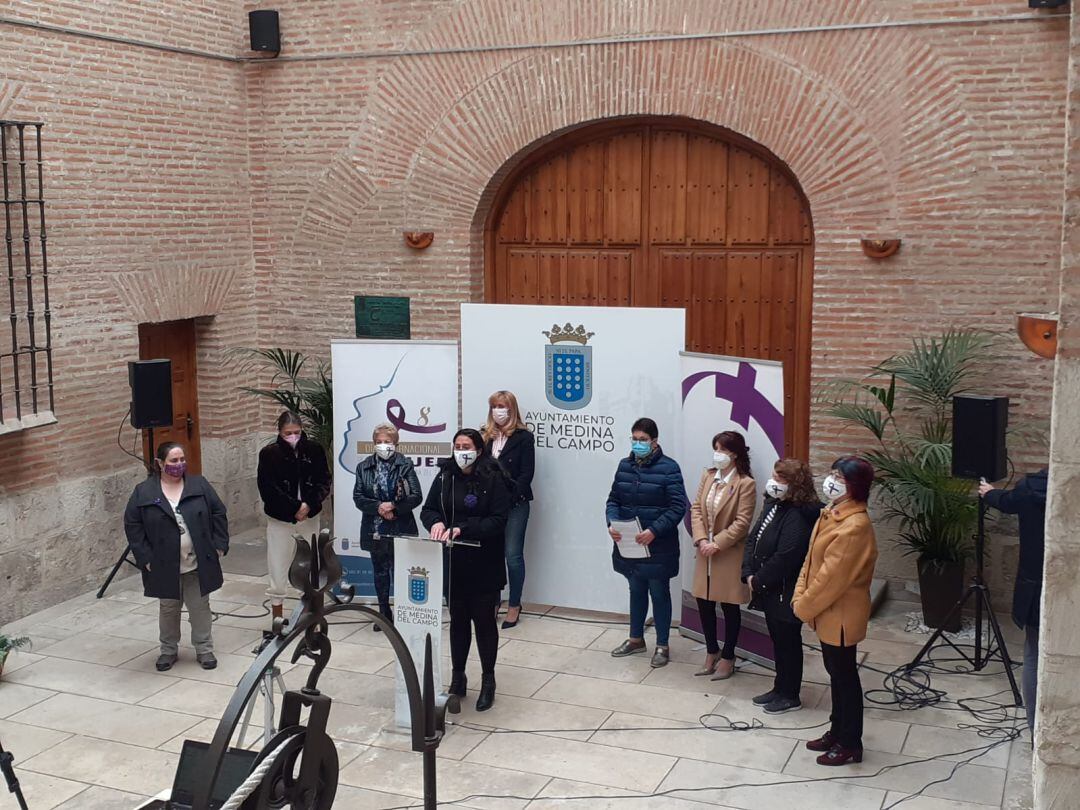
(487, 693)
(458, 684)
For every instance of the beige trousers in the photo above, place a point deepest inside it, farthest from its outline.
(280, 548)
(198, 607)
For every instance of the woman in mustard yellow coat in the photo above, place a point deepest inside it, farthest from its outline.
(720, 518)
(833, 597)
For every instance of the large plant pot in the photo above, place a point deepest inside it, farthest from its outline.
(940, 587)
(3, 658)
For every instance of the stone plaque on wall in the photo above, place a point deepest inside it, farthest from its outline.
(380, 316)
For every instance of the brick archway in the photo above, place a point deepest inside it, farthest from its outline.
(665, 212)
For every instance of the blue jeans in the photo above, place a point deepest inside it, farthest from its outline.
(1030, 677)
(515, 550)
(641, 589)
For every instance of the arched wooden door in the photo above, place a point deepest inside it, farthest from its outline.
(669, 213)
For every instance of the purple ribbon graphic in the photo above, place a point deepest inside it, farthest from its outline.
(746, 401)
(395, 413)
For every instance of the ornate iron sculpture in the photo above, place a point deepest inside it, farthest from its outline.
(315, 570)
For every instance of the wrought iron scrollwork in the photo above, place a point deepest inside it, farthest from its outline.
(315, 570)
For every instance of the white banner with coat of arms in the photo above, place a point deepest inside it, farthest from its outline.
(582, 375)
(418, 585)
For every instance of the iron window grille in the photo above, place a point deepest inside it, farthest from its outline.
(26, 361)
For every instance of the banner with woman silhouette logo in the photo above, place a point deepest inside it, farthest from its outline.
(410, 384)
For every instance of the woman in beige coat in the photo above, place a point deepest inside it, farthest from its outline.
(720, 518)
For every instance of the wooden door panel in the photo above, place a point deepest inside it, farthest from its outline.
(706, 191)
(622, 189)
(522, 275)
(175, 341)
(514, 223)
(655, 214)
(585, 193)
(667, 189)
(748, 199)
(547, 207)
(709, 310)
(583, 277)
(616, 270)
(550, 283)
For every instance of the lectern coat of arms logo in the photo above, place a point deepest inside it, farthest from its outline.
(568, 367)
(418, 585)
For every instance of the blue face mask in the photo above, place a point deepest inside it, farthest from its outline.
(640, 449)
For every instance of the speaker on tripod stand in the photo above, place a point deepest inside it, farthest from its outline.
(151, 407)
(979, 452)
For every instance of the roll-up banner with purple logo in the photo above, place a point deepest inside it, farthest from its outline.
(717, 394)
(410, 384)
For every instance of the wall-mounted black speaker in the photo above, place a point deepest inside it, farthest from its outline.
(265, 33)
(978, 447)
(151, 393)
(1046, 3)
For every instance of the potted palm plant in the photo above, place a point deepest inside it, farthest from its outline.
(905, 403)
(9, 644)
(290, 385)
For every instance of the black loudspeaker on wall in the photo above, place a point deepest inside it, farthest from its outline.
(151, 393)
(979, 425)
(265, 33)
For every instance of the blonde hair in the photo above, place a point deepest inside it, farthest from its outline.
(386, 429)
(491, 430)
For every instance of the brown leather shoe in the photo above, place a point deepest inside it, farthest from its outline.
(822, 743)
(725, 668)
(628, 647)
(838, 755)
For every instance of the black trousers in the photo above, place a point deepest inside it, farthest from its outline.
(787, 648)
(732, 626)
(471, 609)
(847, 694)
(382, 564)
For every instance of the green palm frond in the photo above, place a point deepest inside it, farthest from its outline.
(310, 397)
(905, 403)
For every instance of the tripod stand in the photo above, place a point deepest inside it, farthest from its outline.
(995, 646)
(125, 557)
(270, 677)
(6, 760)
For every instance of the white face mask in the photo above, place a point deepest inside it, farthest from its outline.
(500, 415)
(721, 460)
(833, 488)
(774, 489)
(465, 458)
(384, 450)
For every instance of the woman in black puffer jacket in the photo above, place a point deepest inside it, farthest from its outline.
(775, 550)
(467, 508)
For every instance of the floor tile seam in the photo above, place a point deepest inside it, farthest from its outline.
(90, 736)
(117, 703)
(54, 693)
(609, 709)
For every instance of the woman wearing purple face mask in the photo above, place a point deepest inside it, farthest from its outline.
(294, 480)
(177, 528)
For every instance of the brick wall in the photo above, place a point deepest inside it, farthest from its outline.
(291, 180)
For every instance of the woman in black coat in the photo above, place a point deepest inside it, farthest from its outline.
(514, 446)
(294, 480)
(177, 528)
(466, 508)
(775, 550)
(386, 493)
(1027, 500)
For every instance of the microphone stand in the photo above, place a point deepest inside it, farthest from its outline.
(6, 760)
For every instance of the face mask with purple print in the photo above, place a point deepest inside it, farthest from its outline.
(176, 470)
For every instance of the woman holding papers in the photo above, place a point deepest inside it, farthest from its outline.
(720, 518)
(775, 550)
(467, 508)
(833, 597)
(514, 446)
(386, 493)
(646, 503)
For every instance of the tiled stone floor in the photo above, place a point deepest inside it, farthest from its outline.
(94, 727)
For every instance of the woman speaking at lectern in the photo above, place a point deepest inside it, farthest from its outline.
(467, 508)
